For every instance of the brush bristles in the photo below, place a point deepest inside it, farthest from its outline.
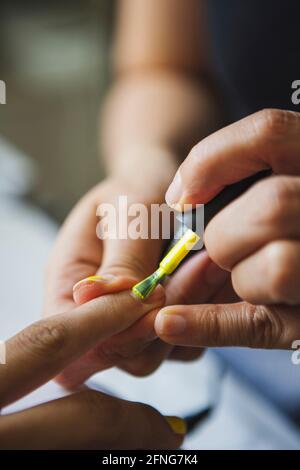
(144, 288)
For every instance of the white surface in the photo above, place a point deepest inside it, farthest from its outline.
(26, 236)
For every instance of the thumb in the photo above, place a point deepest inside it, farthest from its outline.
(124, 263)
(148, 429)
(238, 324)
(91, 420)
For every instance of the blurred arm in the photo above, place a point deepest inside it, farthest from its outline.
(160, 103)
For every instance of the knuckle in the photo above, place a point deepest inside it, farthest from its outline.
(216, 229)
(213, 327)
(265, 326)
(273, 123)
(278, 272)
(276, 194)
(194, 152)
(128, 264)
(45, 338)
(280, 188)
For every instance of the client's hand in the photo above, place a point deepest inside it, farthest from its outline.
(86, 419)
(118, 264)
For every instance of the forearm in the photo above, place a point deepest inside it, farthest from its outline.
(151, 120)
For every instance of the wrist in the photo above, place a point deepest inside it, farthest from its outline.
(148, 170)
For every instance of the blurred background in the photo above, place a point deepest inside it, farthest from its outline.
(54, 58)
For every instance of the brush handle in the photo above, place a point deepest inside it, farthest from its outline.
(227, 195)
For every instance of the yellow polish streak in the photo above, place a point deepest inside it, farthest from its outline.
(168, 264)
(177, 425)
(89, 279)
(94, 278)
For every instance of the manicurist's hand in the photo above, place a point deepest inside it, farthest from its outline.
(86, 419)
(256, 238)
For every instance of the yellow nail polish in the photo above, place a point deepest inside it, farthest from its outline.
(103, 278)
(178, 425)
(168, 264)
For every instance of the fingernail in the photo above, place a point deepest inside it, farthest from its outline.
(155, 298)
(169, 324)
(178, 425)
(215, 276)
(91, 279)
(174, 192)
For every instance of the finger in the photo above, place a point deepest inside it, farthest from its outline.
(128, 254)
(76, 255)
(43, 349)
(271, 275)
(266, 139)
(267, 211)
(239, 324)
(226, 295)
(95, 286)
(135, 258)
(185, 354)
(90, 420)
(121, 347)
(134, 340)
(196, 281)
(148, 361)
(124, 263)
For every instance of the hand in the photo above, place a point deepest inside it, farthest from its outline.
(256, 238)
(87, 419)
(118, 264)
(78, 254)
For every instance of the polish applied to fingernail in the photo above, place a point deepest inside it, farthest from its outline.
(157, 295)
(91, 279)
(178, 425)
(169, 324)
(174, 192)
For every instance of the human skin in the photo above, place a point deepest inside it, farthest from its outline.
(87, 419)
(159, 105)
(256, 238)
